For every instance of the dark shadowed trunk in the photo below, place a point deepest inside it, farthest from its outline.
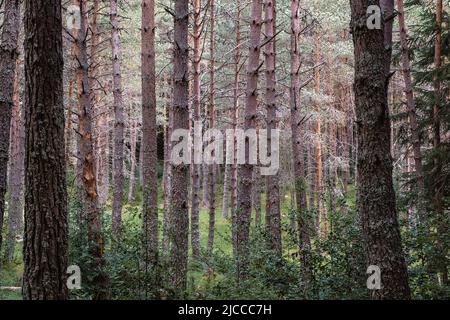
(119, 124)
(46, 233)
(376, 196)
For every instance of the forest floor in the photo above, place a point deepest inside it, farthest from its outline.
(10, 279)
(11, 273)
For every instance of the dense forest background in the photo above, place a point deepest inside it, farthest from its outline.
(87, 110)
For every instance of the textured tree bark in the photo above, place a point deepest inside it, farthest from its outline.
(211, 114)
(133, 143)
(246, 170)
(438, 204)
(236, 125)
(303, 222)
(168, 167)
(75, 51)
(99, 282)
(205, 184)
(318, 188)
(273, 214)
(69, 122)
(149, 133)
(331, 151)
(119, 124)
(226, 191)
(179, 220)
(346, 141)
(196, 104)
(16, 170)
(311, 171)
(8, 56)
(376, 197)
(101, 111)
(46, 234)
(256, 196)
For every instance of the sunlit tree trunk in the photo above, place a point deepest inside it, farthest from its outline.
(16, 170)
(8, 55)
(89, 194)
(101, 112)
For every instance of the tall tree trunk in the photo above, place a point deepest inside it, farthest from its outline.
(133, 144)
(376, 196)
(8, 55)
(180, 172)
(205, 184)
(303, 222)
(46, 232)
(236, 124)
(92, 213)
(16, 170)
(196, 104)
(226, 188)
(149, 133)
(211, 114)
(246, 170)
(318, 144)
(101, 113)
(346, 141)
(273, 214)
(411, 105)
(256, 195)
(168, 166)
(119, 124)
(69, 122)
(438, 204)
(311, 172)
